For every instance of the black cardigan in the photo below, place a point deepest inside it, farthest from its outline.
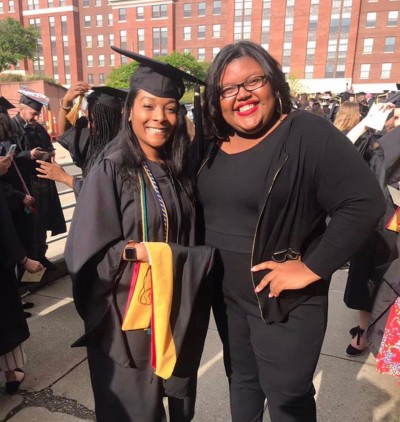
(316, 172)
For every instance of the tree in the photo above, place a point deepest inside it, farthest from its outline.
(16, 43)
(120, 76)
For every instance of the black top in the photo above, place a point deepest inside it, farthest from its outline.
(230, 192)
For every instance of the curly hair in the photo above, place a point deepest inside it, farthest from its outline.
(216, 125)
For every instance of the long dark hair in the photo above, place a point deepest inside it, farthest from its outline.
(214, 122)
(104, 126)
(176, 149)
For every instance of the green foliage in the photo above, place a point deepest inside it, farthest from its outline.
(11, 77)
(16, 43)
(120, 76)
(296, 87)
(16, 77)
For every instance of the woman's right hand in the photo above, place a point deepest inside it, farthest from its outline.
(32, 266)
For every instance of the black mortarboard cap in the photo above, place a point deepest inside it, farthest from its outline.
(158, 78)
(107, 96)
(393, 98)
(31, 102)
(5, 105)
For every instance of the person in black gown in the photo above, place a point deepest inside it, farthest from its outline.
(136, 198)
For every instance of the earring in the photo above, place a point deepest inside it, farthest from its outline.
(280, 111)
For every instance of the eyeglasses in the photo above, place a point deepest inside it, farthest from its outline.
(250, 85)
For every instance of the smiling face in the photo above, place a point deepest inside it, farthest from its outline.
(153, 120)
(247, 112)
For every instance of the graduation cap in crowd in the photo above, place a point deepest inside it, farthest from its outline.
(158, 78)
(5, 105)
(166, 81)
(107, 96)
(33, 99)
(394, 98)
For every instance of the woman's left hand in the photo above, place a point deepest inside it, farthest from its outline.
(288, 275)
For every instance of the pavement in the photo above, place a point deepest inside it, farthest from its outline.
(57, 386)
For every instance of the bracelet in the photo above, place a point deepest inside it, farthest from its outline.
(63, 107)
(25, 261)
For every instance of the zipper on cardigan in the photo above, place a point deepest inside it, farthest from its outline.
(285, 158)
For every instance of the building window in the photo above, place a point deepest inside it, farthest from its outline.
(187, 50)
(122, 14)
(201, 32)
(33, 4)
(97, 3)
(102, 78)
(368, 45)
(217, 31)
(140, 13)
(140, 41)
(11, 6)
(123, 41)
(289, 25)
(99, 20)
(385, 71)
(215, 51)
(102, 60)
(392, 18)
(88, 22)
(100, 40)
(187, 33)
(160, 41)
(201, 54)
(371, 20)
(124, 60)
(90, 78)
(389, 44)
(187, 10)
(50, 3)
(202, 9)
(364, 71)
(86, 3)
(340, 71)
(89, 41)
(110, 19)
(89, 60)
(216, 7)
(309, 72)
(159, 11)
(111, 39)
(112, 59)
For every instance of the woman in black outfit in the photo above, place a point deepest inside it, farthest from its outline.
(13, 327)
(268, 182)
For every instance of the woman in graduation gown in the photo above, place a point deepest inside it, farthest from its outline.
(140, 191)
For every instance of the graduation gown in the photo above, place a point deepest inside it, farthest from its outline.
(27, 168)
(13, 327)
(108, 214)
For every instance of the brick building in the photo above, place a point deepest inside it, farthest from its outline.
(326, 44)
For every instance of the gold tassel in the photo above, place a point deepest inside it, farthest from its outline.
(73, 114)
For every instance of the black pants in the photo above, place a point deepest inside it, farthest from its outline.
(132, 395)
(274, 362)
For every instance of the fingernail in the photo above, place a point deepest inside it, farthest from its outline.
(256, 290)
(252, 269)
(270, 295)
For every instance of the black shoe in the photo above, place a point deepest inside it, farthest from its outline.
(353, 331)
(351, 351)
(27, 315)
(47, 264)
(13, 386)
(27, 305)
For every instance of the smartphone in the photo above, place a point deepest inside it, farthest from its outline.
(11, 150)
